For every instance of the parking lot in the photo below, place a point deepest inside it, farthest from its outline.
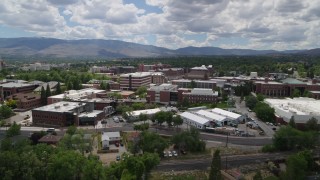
(114, 121)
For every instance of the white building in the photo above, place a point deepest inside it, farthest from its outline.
(108, 138)
(302, 109)
(230, 115)
(218, 119)
(134, 115)
(195, 120)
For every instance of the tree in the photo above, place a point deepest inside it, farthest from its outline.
(150, 161)
(143, 117)
(260, 97)
(215, 173)
(162, 117)
(251, 102)
(177, 120)
(185, 102)
(292, 123)
(108, 87)
(264, 112)
(141, 91)
(71, 130)
(11, 103)
(58, 88)
(312, 125)
(193, 84)
(189, 140)
(151, 142)
(103, 85)
(43, 96)
(296, 167)
(48, 91)
(5, 112)
(13, 130)
(296, 93)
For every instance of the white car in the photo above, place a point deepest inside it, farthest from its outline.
(175, 154)
(169, 154)
(165, 154)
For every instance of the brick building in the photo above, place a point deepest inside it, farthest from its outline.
(164, 94)
(26, 101)
(11, 88)
(64, 114)
(201, 72)
(173, 73)
(158, 78)
(133, 81)
(186, 83)
(199, 95)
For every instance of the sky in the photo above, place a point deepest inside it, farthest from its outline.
(252, 24)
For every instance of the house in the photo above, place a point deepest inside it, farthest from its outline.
(50, 139)
(108, 138)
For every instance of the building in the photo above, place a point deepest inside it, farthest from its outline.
(158, 78)
(90, 118)
(133, 81)
(301, 109)
(52, 86)
(218, 120)
(152, 67)
(75, 95)
(234, 117)
(113, 70)
(195, 120)
(164, 94)
(202, 72)
(186, 83)
(200, 95)
(315, 94)
(172, 73)
(94, 83)
(134, 115)
(26, 101)
(12, 88)
(108, 138)
(61, 114)
(284, 88)
(50, 139)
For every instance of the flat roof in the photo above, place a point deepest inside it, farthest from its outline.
(201, 91)
(13, 84)
(163, 87)
(137, 74)
(292, 81)
(74, 94)
(145, 111)
(112, 134)
(226, 113)
(62, 106)
(211, 115)
(298, 106)
(91, 114)
(194, 117)
(269, 82)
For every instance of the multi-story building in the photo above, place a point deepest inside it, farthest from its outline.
(173, 73)
(75, 95)
(285, 88)
(26, 101)
(199, 95)
(201, 72)
(151, 67)
(186, 83)
(65, 113)
(133, 81)
(164, 94)
(11, 88)
(158, 78)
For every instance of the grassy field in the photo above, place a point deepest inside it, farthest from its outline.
(181, 175)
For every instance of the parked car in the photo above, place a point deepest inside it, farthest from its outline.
(117, 144)
(183, 151)
(50, 130)
(104, 121)
(165, 154)
(169, 154)
(121, 143)
(175, 154)
(118, 158)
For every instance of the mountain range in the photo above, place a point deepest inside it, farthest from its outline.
(50, 47)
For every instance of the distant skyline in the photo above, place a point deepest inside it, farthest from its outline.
(252, 24)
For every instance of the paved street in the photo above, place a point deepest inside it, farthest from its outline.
(241, 107)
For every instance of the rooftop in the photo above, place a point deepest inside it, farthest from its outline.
(137, 74)
(292, 81)
(13, 84)
(201, 91)
(211, 115)
(194, 117)
(146, 111)
(62, 106)
(226, 113)
(76, 94)
(91, 114)
(164, 87)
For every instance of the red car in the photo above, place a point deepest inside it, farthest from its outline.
(117, 144)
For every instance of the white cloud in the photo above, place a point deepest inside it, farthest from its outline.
(264, 24)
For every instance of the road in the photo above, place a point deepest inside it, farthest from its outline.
(241, 107)
(249, 141)
(232, 161)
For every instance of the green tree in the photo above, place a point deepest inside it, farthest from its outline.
(151, 142)
(71, 130)
(251, 102)
(296, 93)
(11, 103)
(13, 130)
(143, 117)
(260, 97)
(58, 88)
(296, 167)
(193, 84)
(43, 96)
(103, 85)
(162, 117)
(150, 161)
(189, 140)
(141, 91)
(258, 176)
(292, 123)
(48, 91)
(312, 125)
(177, 120)
(264, 112)
(5, 112)
(215, 173)
(108, 87)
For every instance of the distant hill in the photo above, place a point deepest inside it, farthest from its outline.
(44, 47)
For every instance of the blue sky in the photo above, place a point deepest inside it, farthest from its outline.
(254, 24)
